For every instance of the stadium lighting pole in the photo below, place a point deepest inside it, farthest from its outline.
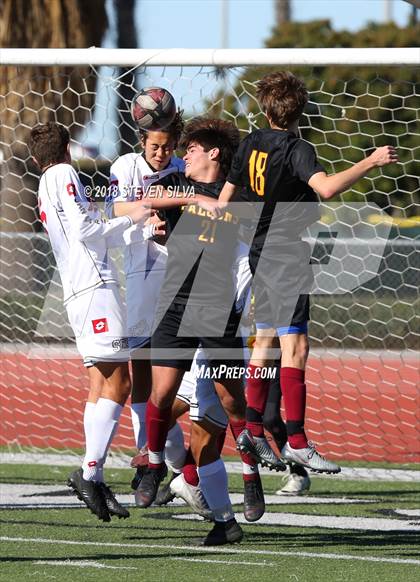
(224, 25)
(388, 10)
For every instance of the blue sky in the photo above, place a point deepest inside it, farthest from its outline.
(197, 24)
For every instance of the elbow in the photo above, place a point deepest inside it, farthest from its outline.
(327, 193)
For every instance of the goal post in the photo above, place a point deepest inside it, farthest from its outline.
(363, 368)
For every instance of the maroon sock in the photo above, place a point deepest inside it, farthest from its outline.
(256, 392)
(250, 476)
(189, 470)
(237, 426)
(293, 387)
(157, 426)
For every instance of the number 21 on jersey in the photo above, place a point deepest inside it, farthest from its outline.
(257, 163)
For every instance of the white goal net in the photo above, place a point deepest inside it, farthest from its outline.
(363, 398)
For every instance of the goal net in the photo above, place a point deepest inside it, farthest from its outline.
(363, 400)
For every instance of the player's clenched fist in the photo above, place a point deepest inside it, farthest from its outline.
(383, 156)
(141, 213)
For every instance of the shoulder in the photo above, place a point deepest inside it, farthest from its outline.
(301, 148)
(125, 161)
(62, 172)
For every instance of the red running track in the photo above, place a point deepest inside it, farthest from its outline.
(360, 407)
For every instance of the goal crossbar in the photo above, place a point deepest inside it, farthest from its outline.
(210, 57)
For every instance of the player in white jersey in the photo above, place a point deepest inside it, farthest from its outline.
(80, 239)
(144, 262)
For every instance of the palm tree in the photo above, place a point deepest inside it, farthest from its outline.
(283, 12)
(31, 95)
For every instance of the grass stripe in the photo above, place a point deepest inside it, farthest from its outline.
(222, 549)
(223, 562)
(81, 564)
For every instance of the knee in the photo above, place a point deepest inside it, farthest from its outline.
(162, 396)
(234, 407)
(295, 350)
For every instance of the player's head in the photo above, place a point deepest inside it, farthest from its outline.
(159, 146)
(282, 98)
(49, 144)
(210, 145)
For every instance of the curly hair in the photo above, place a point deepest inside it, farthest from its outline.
(282, 97)
(48, 143)
(174, 129)
(213, 133)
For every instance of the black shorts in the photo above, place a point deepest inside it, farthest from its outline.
(281, 285)
(177, 337)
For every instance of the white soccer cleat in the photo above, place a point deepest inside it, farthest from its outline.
(192, 495)
(295, 485)
(309, 458)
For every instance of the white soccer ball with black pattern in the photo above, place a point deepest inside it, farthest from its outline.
(153, 108)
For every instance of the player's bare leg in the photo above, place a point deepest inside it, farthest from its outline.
(295, 349)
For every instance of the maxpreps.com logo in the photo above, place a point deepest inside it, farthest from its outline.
(100, 325)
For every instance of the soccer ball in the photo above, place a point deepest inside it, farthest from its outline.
(153, 108)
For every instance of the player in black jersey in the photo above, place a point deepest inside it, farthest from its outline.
(195, 306)
(281, 170)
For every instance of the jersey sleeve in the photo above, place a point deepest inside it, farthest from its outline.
(120, 187)
(76, 207)
(238, 170)
(302, 161)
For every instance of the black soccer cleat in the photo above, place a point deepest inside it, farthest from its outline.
(114, 507)
(254, 503)
(149, 485)
(140, 471)
(165, 495)
(228, 532)
(90, 492)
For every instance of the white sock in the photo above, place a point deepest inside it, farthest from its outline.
(87, 418)
(104, 424)
(156, 458)
(214, 485)
(87, 425)
(138, 420)
(174, 449)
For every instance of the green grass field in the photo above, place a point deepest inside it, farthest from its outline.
(68, 543)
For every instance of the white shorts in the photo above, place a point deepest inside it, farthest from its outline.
(98, 322)
(201, 396)
(142, 295)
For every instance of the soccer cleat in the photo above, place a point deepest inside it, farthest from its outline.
(114, 507)
(309, 458)
(224, 532)
(295, 485)
(149, 485)
(90, 492)
(140, 463)
(254, 504)
(192, 495)
(259, 448)
(135, 482)
(165, 494)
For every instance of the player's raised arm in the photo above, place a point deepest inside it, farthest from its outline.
(329, 186)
